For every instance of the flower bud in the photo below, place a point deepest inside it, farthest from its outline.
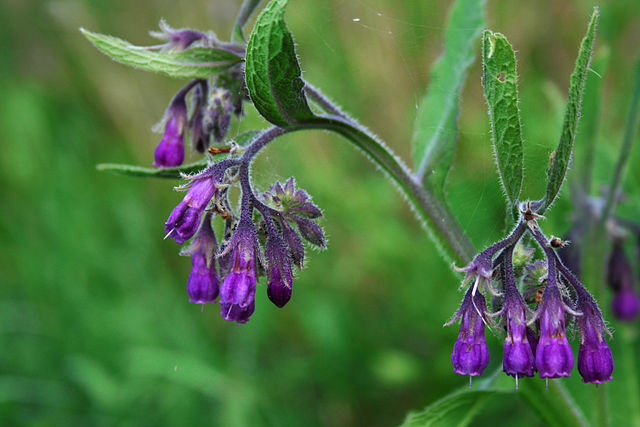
(203, 284)
(554, 357)
(279, 271)
(170, 150)
(185, 218)
(237, 292)
(595, 362)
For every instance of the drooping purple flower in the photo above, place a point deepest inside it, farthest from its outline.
(238, 290)
(170, 150)
(518, 358)
(595, 362)
(625, 304)
(185, 218)
(470, 354)
(279, 270)
(554, 357)
(203, 284)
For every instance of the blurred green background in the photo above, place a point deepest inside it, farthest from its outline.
(95, 328)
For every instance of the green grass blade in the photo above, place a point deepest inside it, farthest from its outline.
(435, 132)
(499, 81)
(562, 155)
(198, 62)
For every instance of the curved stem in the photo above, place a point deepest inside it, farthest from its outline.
(442, 225)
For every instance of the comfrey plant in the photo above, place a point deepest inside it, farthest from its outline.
(535, 301)
(536, 340)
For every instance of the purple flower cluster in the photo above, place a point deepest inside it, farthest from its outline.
(535, 320)
(241, 258)
(207, 118)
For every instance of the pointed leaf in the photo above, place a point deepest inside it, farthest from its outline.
(499, 80)
(562, 154)
(435, 133)
(272, 70)
(197, 62)
(145, 172)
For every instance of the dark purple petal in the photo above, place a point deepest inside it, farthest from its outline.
(170, 150)
(184, 220)
(595, 362)
(203, 284)
(470, 354)
(554, 357)
(278, 291)
(235, 313)
(518, 355)
(237, 293)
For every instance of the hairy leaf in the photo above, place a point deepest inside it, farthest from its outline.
(562, 155)
(435, 132)
(456, 409)
(272, 70)
(145, 172)
(499, 80)
(198, 62)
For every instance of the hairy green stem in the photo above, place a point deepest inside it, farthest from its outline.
(442, 225)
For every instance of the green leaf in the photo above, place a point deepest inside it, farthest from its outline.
(562, 155)
(144, 172)
(499, 80)
(198, 62)
(456, 409)
(435, 132)
(272, 70)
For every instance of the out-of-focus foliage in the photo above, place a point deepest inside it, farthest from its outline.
(94, 321)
